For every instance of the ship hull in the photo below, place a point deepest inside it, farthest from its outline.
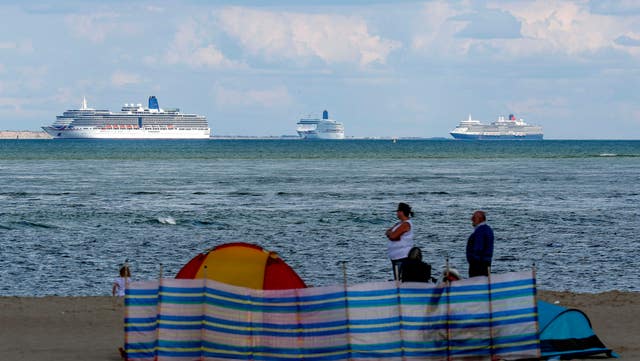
(320, 136)
(496, 137)
(96, 133)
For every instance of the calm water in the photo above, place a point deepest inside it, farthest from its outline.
(72, 211)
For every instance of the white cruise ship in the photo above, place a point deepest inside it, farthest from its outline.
(132, 122)
(325, 128)
(501, 129)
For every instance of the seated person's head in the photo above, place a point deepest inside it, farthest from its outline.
(415, 253)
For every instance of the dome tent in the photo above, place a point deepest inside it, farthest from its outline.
(566, 333)
(245, 265)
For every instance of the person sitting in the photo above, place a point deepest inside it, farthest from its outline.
(414, 269)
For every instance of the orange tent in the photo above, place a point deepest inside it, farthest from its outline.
(243, 264)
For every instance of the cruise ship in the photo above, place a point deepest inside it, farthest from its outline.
(502, 129)
(132, 122)
(325, 128)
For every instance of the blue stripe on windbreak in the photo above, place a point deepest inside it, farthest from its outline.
(478, 324)
(294, 331)
(141, 302)
(274, 308)
(140, 292)
(140, 319)
(306, 357)
(374, 325)
(141, 355)
(266, 302)
(184, 327)
(179, 344)
(494, 285)
(313, 298)
(257, 332)
(376, 347)
(483, 297)
(267, 349)
(179, 353)
(300, 299)
(374, 321)
(375, 354)
(494, 315)
(379, 302)
(139, 328)
(194, 289)
(391, 291)
(275, 325)
(220, 355)
(475, 343)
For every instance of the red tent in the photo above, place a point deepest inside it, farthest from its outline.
(243, 264)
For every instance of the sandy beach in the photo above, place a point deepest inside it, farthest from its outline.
(90, 328)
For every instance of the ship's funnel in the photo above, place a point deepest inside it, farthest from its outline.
(153, 103)
(325, 115)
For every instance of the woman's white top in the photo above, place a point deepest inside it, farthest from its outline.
(400, 248)
(120, 285)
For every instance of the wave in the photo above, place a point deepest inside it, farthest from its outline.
(166, 220)
(290, 194)
(14, 194)
(244, 193)
(607, 155)
(35, 224)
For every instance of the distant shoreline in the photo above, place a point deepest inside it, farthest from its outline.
(23, 134)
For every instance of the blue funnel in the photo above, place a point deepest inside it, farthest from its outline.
(153, 103)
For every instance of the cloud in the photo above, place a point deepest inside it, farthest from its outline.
(508, 29)
(190, 46)
(120, 78)
(615, 7)
(98, 26)
(438, 29)
(266, 98)
(303, 37)
(625, 40)
(563, 27)
(489, 24)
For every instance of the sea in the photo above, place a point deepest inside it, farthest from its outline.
(73, 211)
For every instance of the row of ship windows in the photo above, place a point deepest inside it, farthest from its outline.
(98, 123)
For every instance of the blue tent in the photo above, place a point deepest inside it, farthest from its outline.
(566, 333)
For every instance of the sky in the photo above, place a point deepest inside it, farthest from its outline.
(383, 68)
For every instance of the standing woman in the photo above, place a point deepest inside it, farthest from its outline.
(400, 238)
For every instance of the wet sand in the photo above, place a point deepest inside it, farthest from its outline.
(91, 328)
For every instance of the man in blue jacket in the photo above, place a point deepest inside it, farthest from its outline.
(480, 246)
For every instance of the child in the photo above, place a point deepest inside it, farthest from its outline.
(119, 284)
